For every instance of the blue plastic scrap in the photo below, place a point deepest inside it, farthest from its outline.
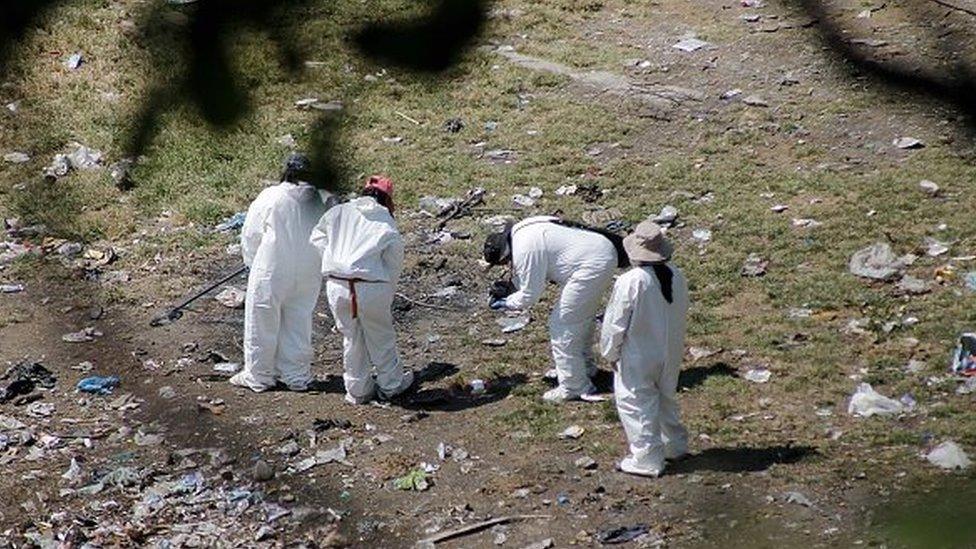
(232, 223)
(99, 385)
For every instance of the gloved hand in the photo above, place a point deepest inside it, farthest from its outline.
(498, 304)
(500, 289)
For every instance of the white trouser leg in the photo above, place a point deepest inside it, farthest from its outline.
(571, 327)
(638, 399)
(376, 318)
(356, 375)
(262, 317)
(295, 351)
(673, 433)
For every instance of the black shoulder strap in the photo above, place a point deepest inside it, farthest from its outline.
(618, 241)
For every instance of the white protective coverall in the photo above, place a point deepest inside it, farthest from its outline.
(282, 286)
(644, 336)
(362, 257)
(582, 263)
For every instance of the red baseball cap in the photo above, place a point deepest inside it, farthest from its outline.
(382, 183)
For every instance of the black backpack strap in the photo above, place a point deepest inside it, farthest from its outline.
(623, 261)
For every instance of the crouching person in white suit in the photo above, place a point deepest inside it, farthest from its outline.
(643, 335)
(362, 257)
(283, 283)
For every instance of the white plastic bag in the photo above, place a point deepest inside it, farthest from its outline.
(867, 402)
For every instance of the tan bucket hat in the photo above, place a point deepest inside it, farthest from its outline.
(647, 244)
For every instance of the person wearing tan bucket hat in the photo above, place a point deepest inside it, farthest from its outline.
(643, 335)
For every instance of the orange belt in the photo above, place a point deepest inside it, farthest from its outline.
(352, 291)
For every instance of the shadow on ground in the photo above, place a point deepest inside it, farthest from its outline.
(456, 398)
(693, 377)
(741, 460)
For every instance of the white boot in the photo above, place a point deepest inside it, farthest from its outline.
(633, 466)
(405, 382)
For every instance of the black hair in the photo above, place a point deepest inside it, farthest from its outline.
(378, 195)
(498, 248)
(665, 277)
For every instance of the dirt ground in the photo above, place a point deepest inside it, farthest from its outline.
(772, 465)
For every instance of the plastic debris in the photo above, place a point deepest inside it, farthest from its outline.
(913, 286)
(754, 266)
(231, 297)
(227, 367)
(322, 457)
(511, 324)
(100, 385)
(806, 223)
(797, 498)
(232, 223)
(758, 375)
(572, 432)
(73, 61)
(967, 387)
(166, 392)
(16, 157)
(933, 247)
(81, 336)
(689, 45)
(535, 193)
(523, 201)
(908, 143)
(477, 386)
(623, 534)
(566, 190)
(416, 480)
(949, 456)
(877, 262)
(930, 187)
(24, 378)
(964, 356)
(544, 544)
(702, 235)
(84, 158)
(866, 402)
(11, 288)
(667, 216)
(585, 462)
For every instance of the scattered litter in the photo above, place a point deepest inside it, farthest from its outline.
(731, 94)
(757, 375)
(453, 125)
(316, 104)
(289, 449)
(949, 456)
(500, 156)
(778, 208)
(59, 167)
(99, 385)
(477, 386)
(907, 143)
(227, 367)
(74, 61)
(702, 235)
(754, 266)
(416, 480)
(544, 544)
(876, 262)
(970, 281)
(689, 45)
(436, 206)
(586, 463)
(866, 402)
(572, 432)
(232, 223)
(535, 193)
(755, 101)
(698, 353)
(913, 286)
(40, 409)
(967, 387)
(83, 158)
(87, 334)
(24, 377)
(499, 342)
(667, 217)
(147, 439)
(16, 157)
(322, 457)
(231, 297)
(475, 528)
(934, 248)
(930, 187)
(797, 498)
(510, 324)
(566, 190)
(964, 356)
(11, 288)
(623, 534)
(523, 201)
(166, 392)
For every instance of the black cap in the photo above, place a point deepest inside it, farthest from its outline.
(498, 247)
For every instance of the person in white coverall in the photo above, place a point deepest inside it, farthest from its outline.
(284, 282)
(582, 262)
(362, 257)
(643, 335)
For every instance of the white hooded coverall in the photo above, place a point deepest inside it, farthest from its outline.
(644, 336)
(362, 257)
(583, 263)
(282, 286)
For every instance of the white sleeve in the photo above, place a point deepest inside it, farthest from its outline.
(530, 271)
(253, 229)
(616, 320)
(393, 258)
(320, 235)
